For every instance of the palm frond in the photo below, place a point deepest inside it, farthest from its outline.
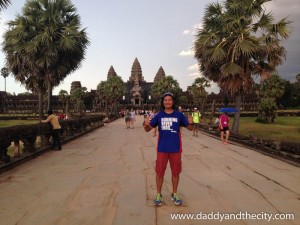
(281, 28)
(4, 4)
(246, 47)
(231, 68)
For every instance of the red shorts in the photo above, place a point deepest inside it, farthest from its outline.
(162, 161)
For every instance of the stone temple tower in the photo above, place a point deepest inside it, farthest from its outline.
(136, 89)
(160, 74)
(136, 78)
(75, 85)
(136, 72)
(111, 72)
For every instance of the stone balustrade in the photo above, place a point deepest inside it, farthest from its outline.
(36, 138)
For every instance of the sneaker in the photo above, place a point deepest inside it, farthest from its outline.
(176, 199)
(158, 200)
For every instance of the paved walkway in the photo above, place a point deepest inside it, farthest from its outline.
(107, 177)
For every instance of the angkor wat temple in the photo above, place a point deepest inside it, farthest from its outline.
(136, 94)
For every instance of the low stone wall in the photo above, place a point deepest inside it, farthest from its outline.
(36, 138)
(284, 150)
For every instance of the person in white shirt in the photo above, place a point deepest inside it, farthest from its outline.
(132, 118)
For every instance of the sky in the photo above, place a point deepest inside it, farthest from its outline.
(157, 32)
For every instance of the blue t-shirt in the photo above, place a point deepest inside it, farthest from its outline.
(169, 139)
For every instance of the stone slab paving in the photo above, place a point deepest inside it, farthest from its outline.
(107, 177)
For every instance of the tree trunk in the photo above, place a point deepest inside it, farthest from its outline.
(238, 101)
(63, 107)
(225, 100)
(49, 107)
(202, 111)
(213, 108)
(67, 106)
(40, 102)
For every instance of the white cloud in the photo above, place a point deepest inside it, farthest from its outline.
(213, 88)
(194, 67)
(195, 74)
(3, 26)
(186, 52)
(185, 32)
(196, 27)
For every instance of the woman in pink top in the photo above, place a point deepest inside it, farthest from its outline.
(224, 123)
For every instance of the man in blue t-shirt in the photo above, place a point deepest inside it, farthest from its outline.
(169, 145)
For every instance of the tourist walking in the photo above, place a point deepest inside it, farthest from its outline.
(132, 118)
(152, 114)
(196, 119)
(224, 127)
(169, 146)
(127, 119)
(56, 129)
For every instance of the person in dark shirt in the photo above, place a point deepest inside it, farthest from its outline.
(169, 147)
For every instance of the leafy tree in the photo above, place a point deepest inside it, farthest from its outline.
(295, 98)
(298, 79)
(267, 109)
(198, 91)
(165, 84)
(110, 92)
(286, 100)
(239, 40)
(64, 96)
(88, 101)
(4, 73)
(114, 91)
(77, 99)
(272, 89)
(102, 95)
(183, 100)
(45, 42)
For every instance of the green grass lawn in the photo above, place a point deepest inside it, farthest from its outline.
(9, 123)
(284, 128)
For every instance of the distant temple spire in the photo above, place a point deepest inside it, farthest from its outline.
(160, 74)
(136, 72)
(74, 86)
(111, 72)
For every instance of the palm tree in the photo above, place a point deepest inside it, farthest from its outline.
(165, 84)
(46, 42)
(4, 4)
(4, 73)
(239, 40)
